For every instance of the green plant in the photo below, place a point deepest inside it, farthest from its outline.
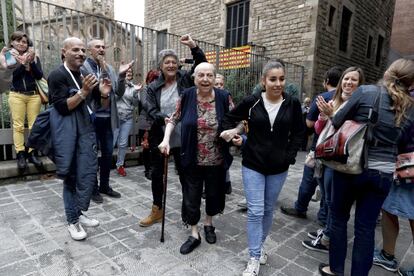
(5, 110)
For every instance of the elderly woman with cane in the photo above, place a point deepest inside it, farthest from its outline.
(161, 99)
(204, 156)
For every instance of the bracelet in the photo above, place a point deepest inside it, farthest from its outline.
(81, 95)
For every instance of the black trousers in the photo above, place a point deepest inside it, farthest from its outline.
(157, 166)
(214, 178)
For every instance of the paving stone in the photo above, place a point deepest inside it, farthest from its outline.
(33, 230)
(106, 269)
(100, 240)
(6, 200)
(11, 256)
(114, 250)
(89, 260)
(19, 268)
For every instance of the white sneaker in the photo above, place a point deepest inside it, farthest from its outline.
(88, 222)
(76, 231)
(252, 268)
(263, 257)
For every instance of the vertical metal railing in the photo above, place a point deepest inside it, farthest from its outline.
(48, 25)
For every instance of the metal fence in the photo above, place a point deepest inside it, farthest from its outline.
(48, 25)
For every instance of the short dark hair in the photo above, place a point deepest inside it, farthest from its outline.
(332, 76)
(18, 35)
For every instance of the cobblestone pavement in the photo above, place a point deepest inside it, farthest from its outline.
(34, 239)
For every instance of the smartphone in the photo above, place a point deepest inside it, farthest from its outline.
(10, 60)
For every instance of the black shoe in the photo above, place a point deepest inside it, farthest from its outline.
(228, 188)
(209, 234)
(292, 212)
(316, 245)
(323, 273)
(111, 193)
(32, 158)
(190, 244)
(97, 198)
(21, 160)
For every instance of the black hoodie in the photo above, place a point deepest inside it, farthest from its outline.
(269, 150)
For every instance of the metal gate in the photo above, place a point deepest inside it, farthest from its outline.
(48, 25)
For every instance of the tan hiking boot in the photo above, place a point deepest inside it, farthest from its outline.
(154, 217)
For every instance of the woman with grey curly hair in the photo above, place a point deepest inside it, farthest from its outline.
(162, 96)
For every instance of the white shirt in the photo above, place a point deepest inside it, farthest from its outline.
(272, 109)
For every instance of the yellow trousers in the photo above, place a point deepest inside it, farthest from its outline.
(21, 105)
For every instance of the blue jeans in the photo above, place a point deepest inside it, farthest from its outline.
(104, 137)
(261, 193)
(327, 184)
(306, 190)
(79, 183)
(369, 190)
(121, 136)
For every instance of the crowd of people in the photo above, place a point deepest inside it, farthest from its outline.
(191, 116)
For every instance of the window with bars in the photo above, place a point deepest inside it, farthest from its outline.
(237, 26)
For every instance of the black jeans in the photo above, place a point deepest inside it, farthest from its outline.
(368, 190)
(157, 166)
(105, 138)
(214, 178)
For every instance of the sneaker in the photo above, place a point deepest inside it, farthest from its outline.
(97, 198)
(263, 257)
(404, 272)
(88, 222)
(316, 245)
(252, 268)
(380, 260)
(76, 231)
(121, 171)
(315, 235)
(291, 211)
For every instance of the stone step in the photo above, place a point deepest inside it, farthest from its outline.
(10, 174)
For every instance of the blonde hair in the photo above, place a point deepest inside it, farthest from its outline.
(337, 98)
(397, 79)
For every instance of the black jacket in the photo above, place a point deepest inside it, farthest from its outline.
(25, 80)
(153, 96)
(269, 151)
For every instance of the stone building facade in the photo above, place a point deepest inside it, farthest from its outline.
(316, 34)
(402, 37)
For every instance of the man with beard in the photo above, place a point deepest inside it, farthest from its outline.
(73, 135)
(105, 111)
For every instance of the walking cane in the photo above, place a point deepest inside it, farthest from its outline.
(164, 196)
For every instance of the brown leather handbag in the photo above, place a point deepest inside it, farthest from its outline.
(343, 149)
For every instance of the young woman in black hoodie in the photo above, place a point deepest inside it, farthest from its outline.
(276, 131)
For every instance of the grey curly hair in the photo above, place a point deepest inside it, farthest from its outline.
(165, 53)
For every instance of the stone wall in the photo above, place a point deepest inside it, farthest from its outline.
(294, 30)
(369, 18)
(283, 27)
(402, 37)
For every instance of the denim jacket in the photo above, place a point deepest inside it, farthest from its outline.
(385, 134)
